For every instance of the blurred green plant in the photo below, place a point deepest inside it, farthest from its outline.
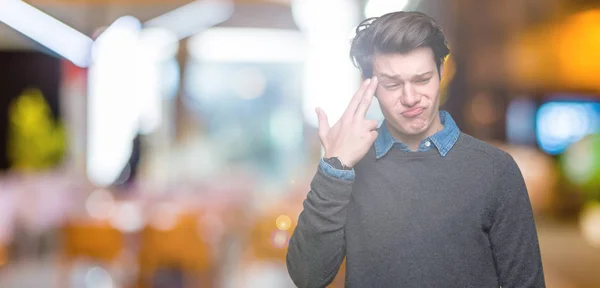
(35, 140)
(580, 164)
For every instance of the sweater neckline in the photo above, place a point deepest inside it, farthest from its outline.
(415, 154)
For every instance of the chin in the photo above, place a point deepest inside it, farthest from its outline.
(409, 129)
(413, 131)
(415, 126)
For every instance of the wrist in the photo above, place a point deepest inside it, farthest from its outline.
(345, 163)
(343, 158)
(337, 162)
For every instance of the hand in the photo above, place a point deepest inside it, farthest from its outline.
(352, 136)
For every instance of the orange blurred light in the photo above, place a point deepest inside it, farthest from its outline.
(283, 222)
(561, 55)
(578, 49)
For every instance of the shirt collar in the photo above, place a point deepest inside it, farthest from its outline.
(443, 140)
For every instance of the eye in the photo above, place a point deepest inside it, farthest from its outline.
(391, 86)
(423, 81)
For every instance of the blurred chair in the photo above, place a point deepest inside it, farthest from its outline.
(97, 241)
(3, 256)
(178, 247)
(267, 242)
(270, 235)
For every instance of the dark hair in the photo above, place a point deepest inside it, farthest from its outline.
(396, 32)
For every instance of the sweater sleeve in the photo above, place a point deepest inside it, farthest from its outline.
(513, 234)
(317, 246)
(337, 173)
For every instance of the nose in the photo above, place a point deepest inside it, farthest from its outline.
(409, 97)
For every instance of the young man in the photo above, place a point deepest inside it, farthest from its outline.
(415, 202)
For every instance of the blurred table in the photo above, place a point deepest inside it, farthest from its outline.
(568, 260)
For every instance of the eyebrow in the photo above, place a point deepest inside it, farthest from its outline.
(397, 77)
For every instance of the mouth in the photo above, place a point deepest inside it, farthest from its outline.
(414, 112)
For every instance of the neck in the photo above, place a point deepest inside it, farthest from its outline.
(413, 141)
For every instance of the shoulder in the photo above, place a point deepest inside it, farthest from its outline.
(474, 148)
(505, 180)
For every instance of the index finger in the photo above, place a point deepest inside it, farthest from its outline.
(357, 97)
(365, 102)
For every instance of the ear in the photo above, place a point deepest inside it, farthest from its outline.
(441, 71)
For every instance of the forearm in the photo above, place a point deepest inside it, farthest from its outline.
(513, 234)
(517, 255)
(317, 246)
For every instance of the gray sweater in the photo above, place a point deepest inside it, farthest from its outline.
(416, 219)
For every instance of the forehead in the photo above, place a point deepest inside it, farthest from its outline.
(415, 62)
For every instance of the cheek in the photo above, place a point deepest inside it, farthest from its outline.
(386, 101)
(385, 97)
(431, 90)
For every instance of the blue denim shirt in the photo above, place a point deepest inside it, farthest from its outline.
(443, 140)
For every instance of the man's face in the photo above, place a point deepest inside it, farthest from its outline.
(408, 92)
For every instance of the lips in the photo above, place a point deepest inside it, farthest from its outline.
(414, 112)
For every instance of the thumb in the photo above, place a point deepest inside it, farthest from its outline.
(323, 123)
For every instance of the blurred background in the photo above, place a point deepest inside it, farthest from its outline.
(155, 143)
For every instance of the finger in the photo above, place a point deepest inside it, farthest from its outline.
(323, 123)
(365, 102)
(371, 124)
(351, 110)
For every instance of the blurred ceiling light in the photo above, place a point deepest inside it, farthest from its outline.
(313, 15)
(247, 45)
(46, 30)
(191, 18)
(112, 105)
(329, 77)
(126, 90)
(156, 47)
(376, 8)
(158, 44)
(123, 23)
